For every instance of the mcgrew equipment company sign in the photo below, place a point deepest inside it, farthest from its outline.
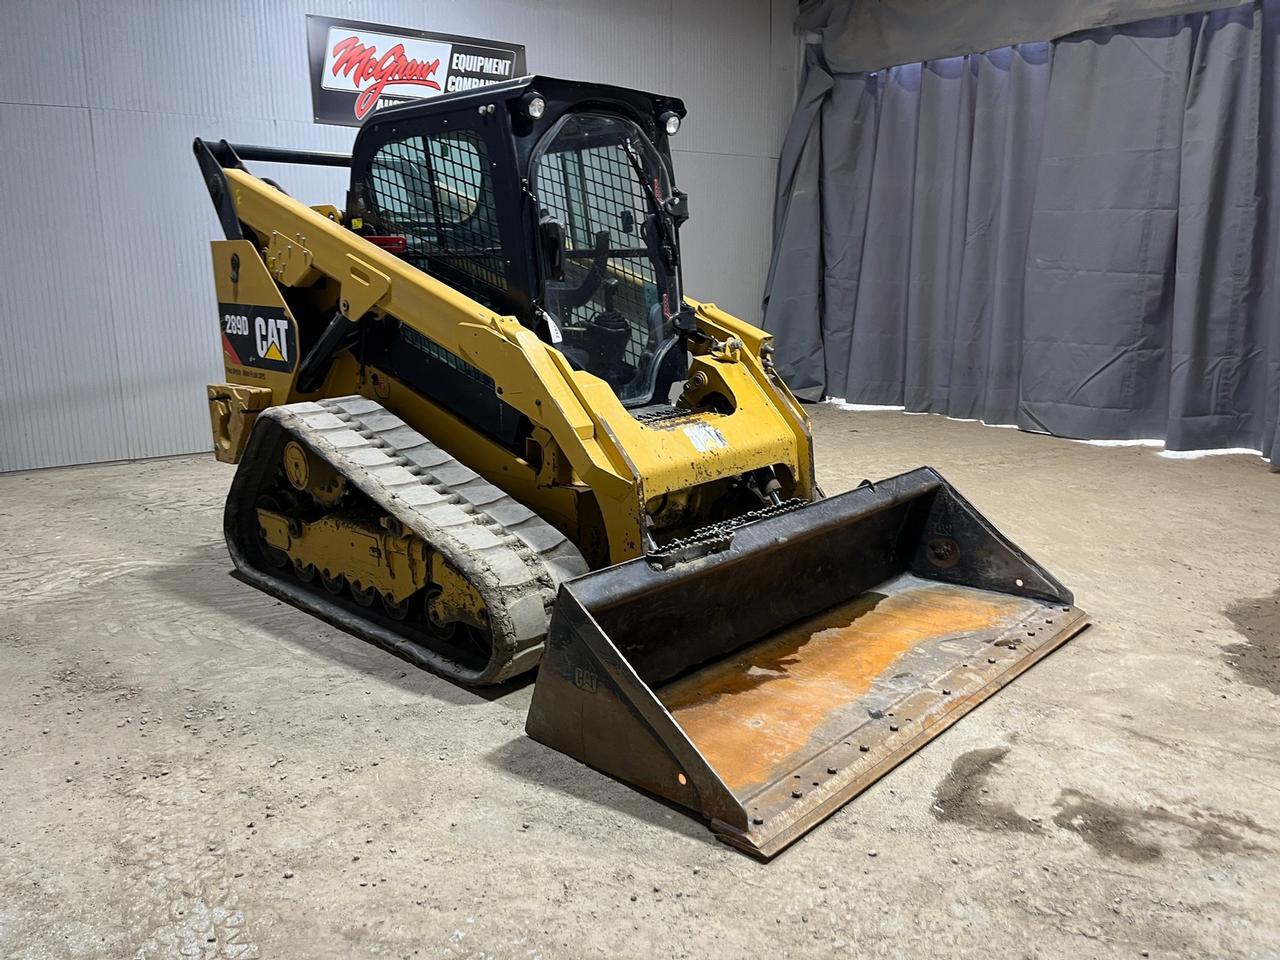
(357, 68)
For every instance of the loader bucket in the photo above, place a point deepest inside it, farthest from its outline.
(765, 685)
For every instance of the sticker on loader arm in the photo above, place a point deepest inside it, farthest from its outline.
(705, 437)
(261, 337)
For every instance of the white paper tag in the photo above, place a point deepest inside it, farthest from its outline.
(553, 328)
(705, 437)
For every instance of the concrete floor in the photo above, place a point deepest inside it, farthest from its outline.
(188, 767)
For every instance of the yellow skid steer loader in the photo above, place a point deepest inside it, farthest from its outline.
(478, 422)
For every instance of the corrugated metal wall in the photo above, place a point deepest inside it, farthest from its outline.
(110, 324)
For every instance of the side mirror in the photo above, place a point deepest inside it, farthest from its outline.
(551, 235)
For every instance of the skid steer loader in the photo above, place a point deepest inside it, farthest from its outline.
(478, 422)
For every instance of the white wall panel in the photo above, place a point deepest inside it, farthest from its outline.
(721, 66)
(42, 58)
(111, 328)
(725, 244)
(785, 57)
(60, 393)
(226, 59)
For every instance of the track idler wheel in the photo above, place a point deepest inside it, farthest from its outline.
(394, 610)
(454, 632)
(445, 632)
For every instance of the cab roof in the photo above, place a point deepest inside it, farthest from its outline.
(559, 94)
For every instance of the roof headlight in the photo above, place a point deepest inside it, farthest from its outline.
(670, 122)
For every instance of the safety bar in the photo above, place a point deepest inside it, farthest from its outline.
(318, 158)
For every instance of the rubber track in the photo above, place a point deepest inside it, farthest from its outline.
(514, 558)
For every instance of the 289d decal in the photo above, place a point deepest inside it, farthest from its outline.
(260, 337)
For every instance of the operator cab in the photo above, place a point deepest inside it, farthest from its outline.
(549, 200)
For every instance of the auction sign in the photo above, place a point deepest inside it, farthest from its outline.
(358, 68)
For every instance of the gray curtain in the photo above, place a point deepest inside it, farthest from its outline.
(1077, 238)
(863, 35)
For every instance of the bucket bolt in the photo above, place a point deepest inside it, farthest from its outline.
(943, 552)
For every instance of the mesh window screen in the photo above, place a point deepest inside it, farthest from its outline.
(438, 193)
(597, 189)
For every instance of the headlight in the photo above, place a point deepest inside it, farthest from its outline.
(535, 107)
(670, 123)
